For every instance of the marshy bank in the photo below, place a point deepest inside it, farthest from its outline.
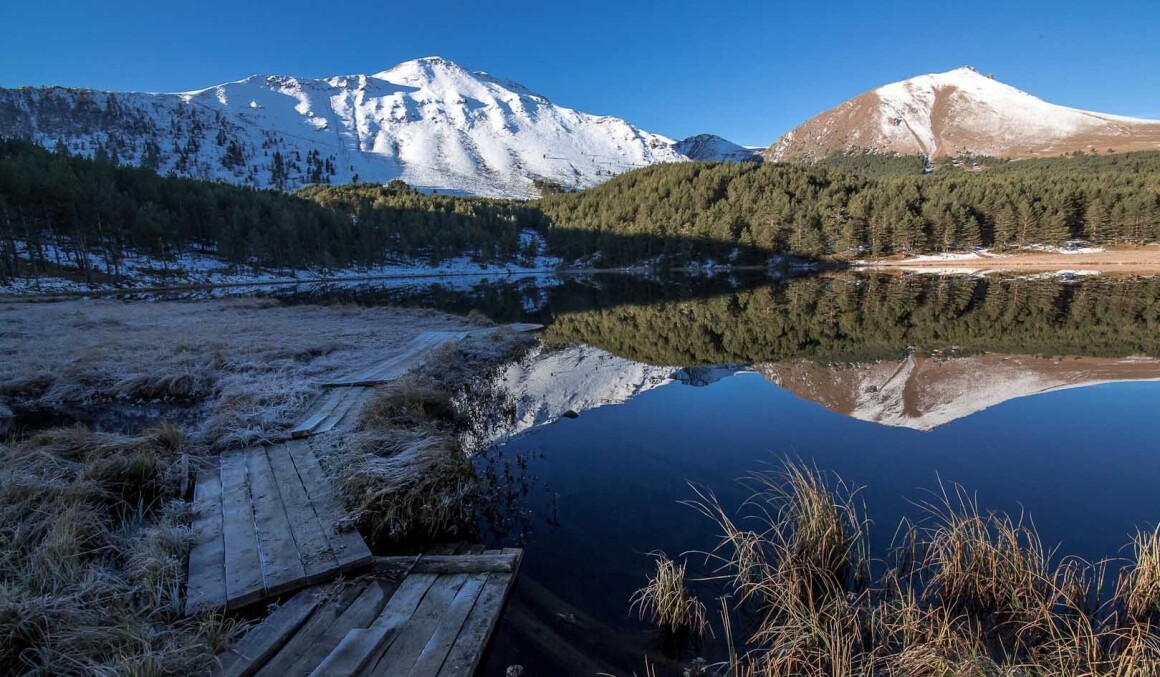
(95, 524)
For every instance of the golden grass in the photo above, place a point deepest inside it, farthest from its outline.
(963, 592)
(666, 601)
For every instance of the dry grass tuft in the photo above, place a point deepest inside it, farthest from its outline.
(406, 473)
(667, 603)
(965, 592)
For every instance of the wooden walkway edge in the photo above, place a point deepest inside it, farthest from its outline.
(434, 622)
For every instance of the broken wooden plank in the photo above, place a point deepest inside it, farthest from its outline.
(354, 653)
(438, 646)
(206, 585)
(314, 417)
(318, 560)
(449, 564)
(480, 624)
(351, 399)
(349, 549)
(282, 568)
(414, 634)
(243, 569)
(361, 612)
(325, 615)
(266, 638)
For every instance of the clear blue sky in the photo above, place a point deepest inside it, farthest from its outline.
(747, 71)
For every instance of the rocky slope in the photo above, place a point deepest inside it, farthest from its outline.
(960, 111)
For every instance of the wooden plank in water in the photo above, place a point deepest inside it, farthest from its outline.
(206, 586)
(480, 624)
(263, 640)
(450, 564)
(243, 568)
(349, 549)
(361, 612)
(318, 561)
(316, 416)
(439, 645)
(282, 568)
(310, 632)
(413, 635)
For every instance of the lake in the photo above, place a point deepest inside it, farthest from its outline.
(1037, 395)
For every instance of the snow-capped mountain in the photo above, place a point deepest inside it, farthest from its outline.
(945, 114)
(429, 122)
(923, 393)
(712, 148)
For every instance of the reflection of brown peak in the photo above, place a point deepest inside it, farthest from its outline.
(923, 393)
(946, 114)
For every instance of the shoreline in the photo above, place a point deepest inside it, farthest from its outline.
(1142, 260)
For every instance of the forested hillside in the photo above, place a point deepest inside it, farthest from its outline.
(816, 211)
(62, 211)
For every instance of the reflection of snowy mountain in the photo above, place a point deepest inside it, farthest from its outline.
(924, 393)
(550, 383)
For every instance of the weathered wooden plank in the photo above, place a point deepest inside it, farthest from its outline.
(282, 568)
(263, 640)
(349, 549)
(351, 397)
(439, 645)
(480, 624)
(473, 637)
(206, 586)
(244, 582)
(354, 653)
(449, 564)
(318, 559)
(399, 610)
(316, 416)
(364, 610)
(310, 632)
(350, 420)
(413, 636)
(397, 365)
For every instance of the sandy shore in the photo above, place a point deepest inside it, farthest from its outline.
(1136, 260)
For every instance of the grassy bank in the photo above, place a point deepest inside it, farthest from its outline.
(406, 474)
(962, 592)
(94, 526)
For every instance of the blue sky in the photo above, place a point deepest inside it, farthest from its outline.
(748, 71)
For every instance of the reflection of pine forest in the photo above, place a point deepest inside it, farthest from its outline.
(858, 318)
(61, 211)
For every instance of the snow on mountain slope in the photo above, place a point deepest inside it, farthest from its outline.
(924, 393)
(712, 148)
(429, 122)
(945, 114)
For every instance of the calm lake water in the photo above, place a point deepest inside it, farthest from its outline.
(1038, 395)
(1033, 394)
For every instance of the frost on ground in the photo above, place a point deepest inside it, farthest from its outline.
(206, 269)
(253, 366)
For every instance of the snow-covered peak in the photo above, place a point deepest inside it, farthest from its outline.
(961, 110)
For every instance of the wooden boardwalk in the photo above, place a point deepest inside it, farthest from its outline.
(266, 520)
(420, 616)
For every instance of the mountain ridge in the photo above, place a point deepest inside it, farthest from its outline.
(428, 121)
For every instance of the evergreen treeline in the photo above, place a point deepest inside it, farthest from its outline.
(861, 318)
(816, 211)
(62, 211)
(433, 226)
